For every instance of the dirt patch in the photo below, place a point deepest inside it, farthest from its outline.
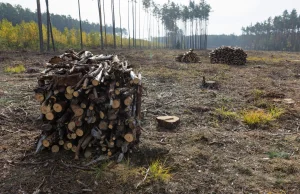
(205, 154)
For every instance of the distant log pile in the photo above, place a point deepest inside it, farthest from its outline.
(228, 55)
(188, 57)
(90, 104)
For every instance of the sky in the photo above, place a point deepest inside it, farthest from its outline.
(227, 16)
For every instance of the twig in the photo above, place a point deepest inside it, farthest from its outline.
(172, 102)
(143, 179)
(74, 166)
(81, 183)
(37, 190)
(100, 158)
(87, 190)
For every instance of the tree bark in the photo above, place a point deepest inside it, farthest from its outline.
(81, 44)
(40, 25)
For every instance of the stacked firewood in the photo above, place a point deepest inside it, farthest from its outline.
(188, 57)
(228, 55)
(89, 104)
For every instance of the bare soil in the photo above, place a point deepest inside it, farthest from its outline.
(207, 153)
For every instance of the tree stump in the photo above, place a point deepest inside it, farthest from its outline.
(168, 122)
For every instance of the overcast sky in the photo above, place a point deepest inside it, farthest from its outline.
(227, 16)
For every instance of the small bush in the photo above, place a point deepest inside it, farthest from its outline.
(276, 112)
(256, 117)
(16, 69)
(159, 172)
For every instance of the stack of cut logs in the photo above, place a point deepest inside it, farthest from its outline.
(89, 104)
(228, 55)
(188, 57)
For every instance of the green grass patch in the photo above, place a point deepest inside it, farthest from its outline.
(274, 154)
(225, 114)
(16, 69)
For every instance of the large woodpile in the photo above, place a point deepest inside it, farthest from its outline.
(89, 104)
(188, 57)
(228, 55)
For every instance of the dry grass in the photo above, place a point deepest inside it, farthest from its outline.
(16, 69)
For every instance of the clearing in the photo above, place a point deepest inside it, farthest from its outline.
(213, 150)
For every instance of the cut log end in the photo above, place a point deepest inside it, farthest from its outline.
(71, 125)
(116, 103)
(95, 82)
(46, 143)
(50, 116)
(129, 137)
(61, 142)
(55, 148)
(128, 101)
(79, 132)
(69, 96)
(39, 97)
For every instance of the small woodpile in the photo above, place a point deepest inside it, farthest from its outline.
(228, 55)
(188, 57)
(89, 103)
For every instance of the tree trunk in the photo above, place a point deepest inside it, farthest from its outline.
(40, 25)
(52, 38)
(104, 25)
(133, 42)
(81, 45)
(140, 24)
(113, 21)
(100, 19)
(128, 26)
(121, 24)
(48, 26)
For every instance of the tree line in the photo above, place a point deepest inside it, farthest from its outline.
(164, 26)
(16, 14)
(26, 36)
(281, 33)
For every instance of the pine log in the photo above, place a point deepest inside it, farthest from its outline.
(134, 78)
(39, 97)
(71, 125)
(61, 142)
(79, 132)
(116, 103)
(128, 101)
(68, 96)
(78, 111)
(97, 79)
(46, 127)
(50, 116)
(69, 90)
(59, 106)
(55, 148)
(129, 137)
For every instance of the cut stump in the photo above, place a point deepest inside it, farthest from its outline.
(168, 122)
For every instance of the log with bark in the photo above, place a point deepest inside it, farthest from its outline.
(188, 57)
(228, 55)
(90, 104)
